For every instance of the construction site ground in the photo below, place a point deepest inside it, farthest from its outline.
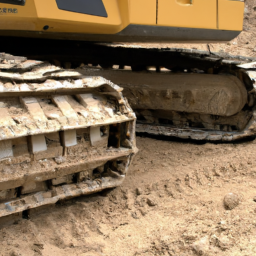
(171, 203)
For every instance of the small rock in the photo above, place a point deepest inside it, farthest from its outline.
(71, 245)
(60, 159)
(139, 191)
(231, 201)
(151, 202)
(14, 253)
(40, 246)
(254, 199)
(201, 247)
(224, 243)
(223, 225)
(216, 172)
(135, 215)
(254, 49)
(143, 212)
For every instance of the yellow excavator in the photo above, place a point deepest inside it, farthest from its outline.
(66, 130)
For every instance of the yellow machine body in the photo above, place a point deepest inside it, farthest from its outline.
(123, 20)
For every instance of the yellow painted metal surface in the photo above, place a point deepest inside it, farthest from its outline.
(230, 15)
(124, 12)
(180, 13)
(15, 17)
(142, 12)
(66, 21)
(37, 14)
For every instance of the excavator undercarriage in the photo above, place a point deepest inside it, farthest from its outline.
(66, 131)
(174, 92)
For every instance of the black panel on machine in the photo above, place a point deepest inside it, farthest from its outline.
(16, 2)
(91, 7)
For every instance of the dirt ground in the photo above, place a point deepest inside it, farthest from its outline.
(171, 203)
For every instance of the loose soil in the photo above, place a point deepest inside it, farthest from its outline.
(171, 203)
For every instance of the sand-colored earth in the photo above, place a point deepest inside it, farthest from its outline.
(170, 204)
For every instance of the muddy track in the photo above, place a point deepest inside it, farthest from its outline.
(195, 89)
(61, 134)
